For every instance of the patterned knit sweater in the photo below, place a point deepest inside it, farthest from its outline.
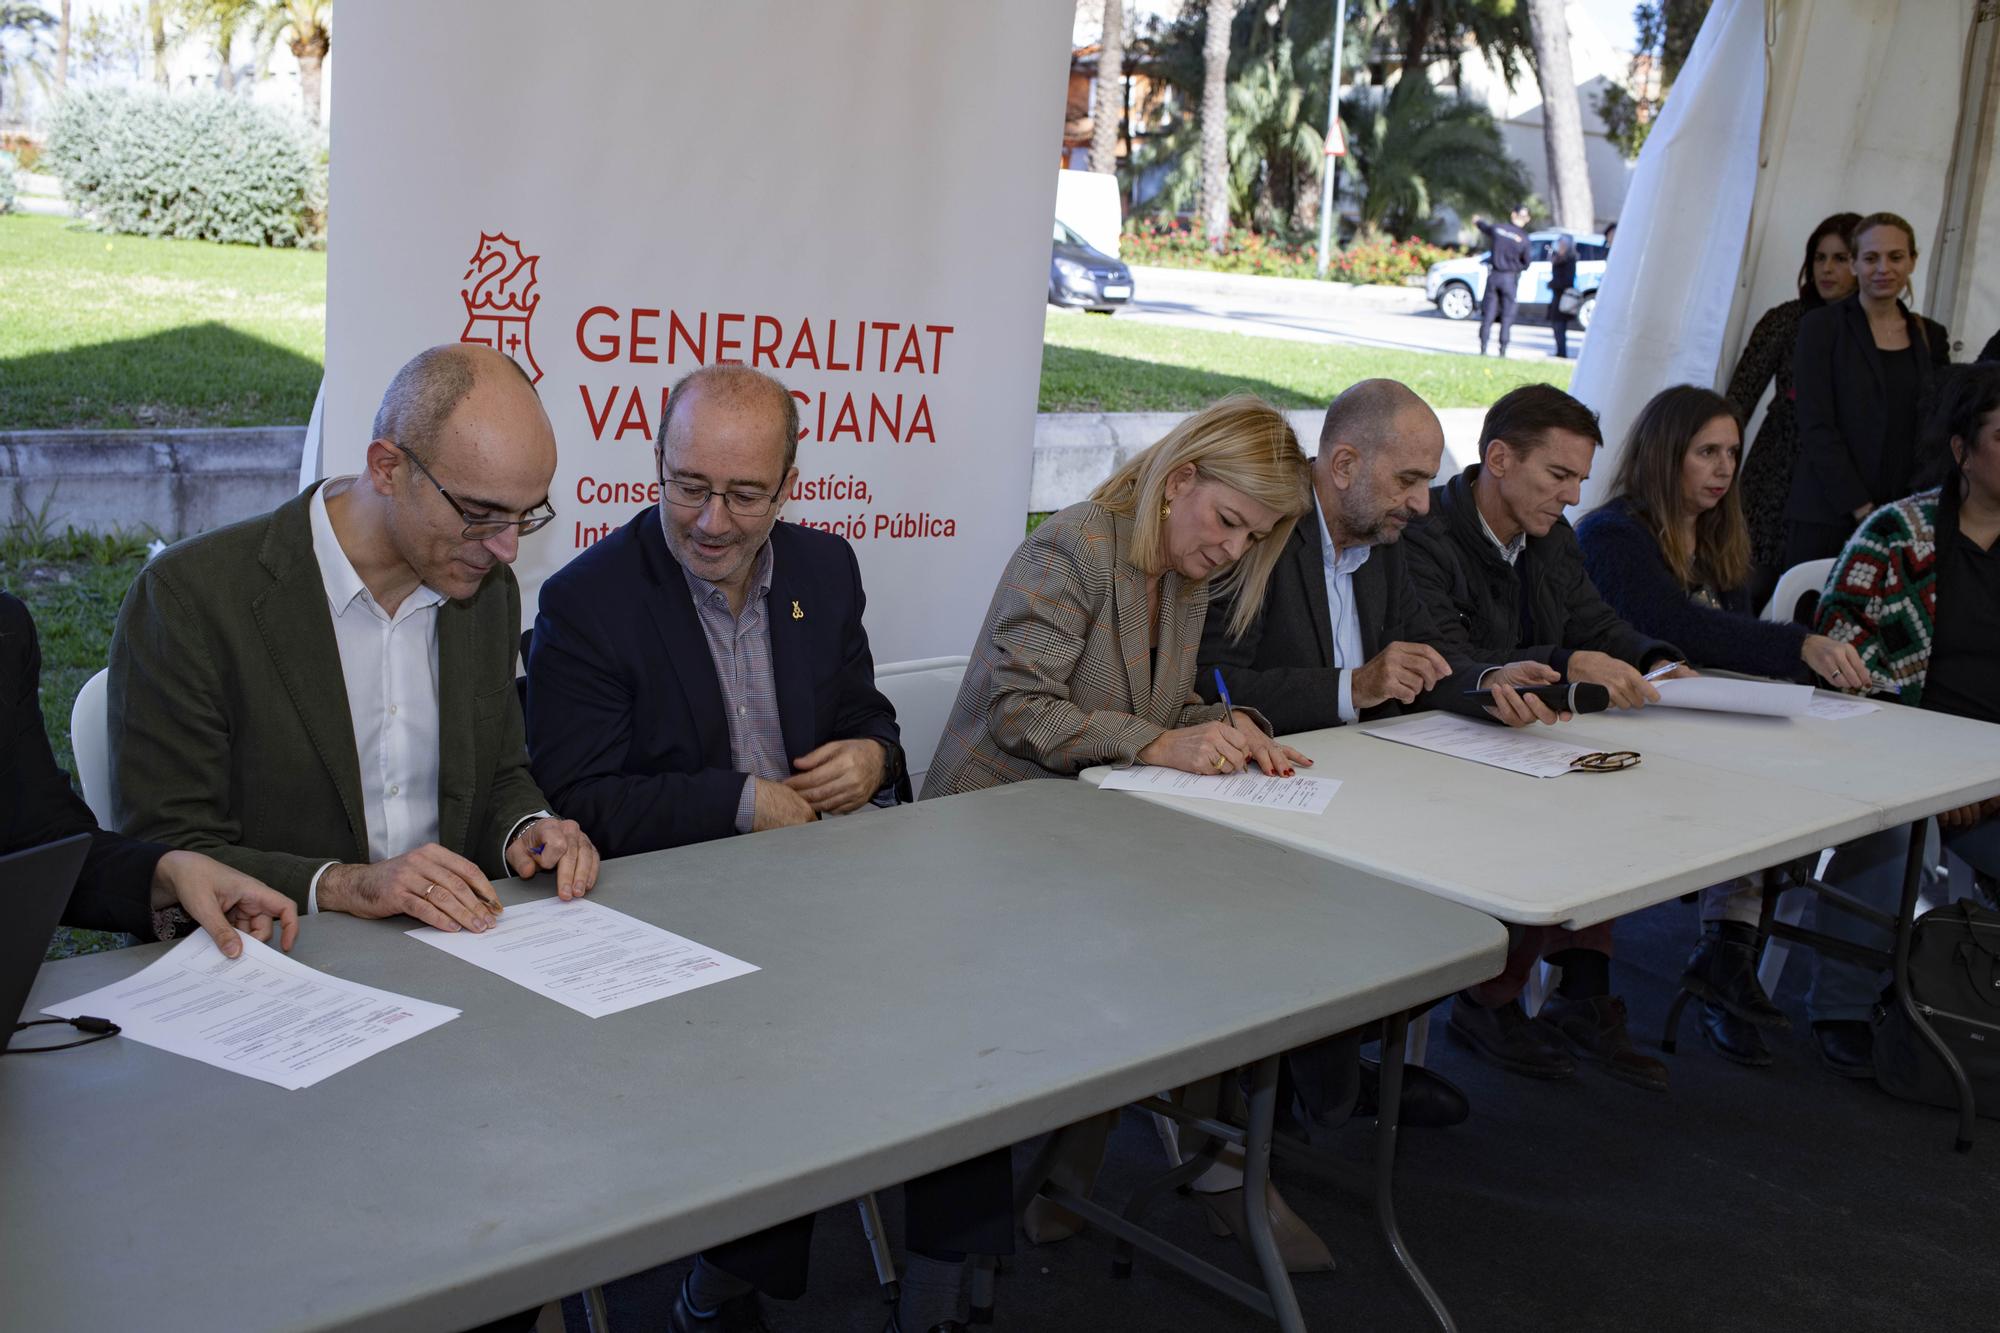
(1882, 595)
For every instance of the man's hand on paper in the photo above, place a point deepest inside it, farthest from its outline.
(223, 900)
(1965, 816)
(560, 845)
(1520, 710)
(1835, 662)
(1628, 688)
(1401, 672)
(778, 806)
(840, 776)
(436, 886)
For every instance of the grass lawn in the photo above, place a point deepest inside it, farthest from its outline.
(1093, 364)
(115, 332)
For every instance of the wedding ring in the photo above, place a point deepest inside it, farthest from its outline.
(427, 890)
(1221, 763)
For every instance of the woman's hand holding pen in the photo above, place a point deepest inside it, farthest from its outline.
(1218, 747)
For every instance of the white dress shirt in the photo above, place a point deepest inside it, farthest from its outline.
(390, 664)
(1339, 567)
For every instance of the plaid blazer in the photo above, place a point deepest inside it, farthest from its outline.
(1061, 675)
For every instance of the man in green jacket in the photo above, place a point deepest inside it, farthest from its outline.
(323, 697)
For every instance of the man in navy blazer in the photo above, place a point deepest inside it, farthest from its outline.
(703, 672)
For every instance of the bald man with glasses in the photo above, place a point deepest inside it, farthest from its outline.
(323, 697)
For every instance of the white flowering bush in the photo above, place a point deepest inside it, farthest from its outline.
(197, 166)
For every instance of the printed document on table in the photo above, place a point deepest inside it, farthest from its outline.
(1499, 747)
(1303, 794)
(588, 956)
(264, 1014)
(1720, 694)
(1833, 707)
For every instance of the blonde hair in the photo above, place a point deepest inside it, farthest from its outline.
(1241, 442)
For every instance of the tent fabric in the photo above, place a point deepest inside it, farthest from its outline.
(1864, 108)
(1664, 306)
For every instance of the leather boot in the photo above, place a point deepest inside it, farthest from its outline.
(1722, 971)
(1596, 1030)
(1734, 1039)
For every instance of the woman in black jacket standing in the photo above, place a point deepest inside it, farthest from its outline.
(1562, 278)
(1826, 276)
(1863, 369)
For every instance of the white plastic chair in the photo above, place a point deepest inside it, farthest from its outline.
(90, 742)
(1796, 583)
(1790, 909)
(922, 692)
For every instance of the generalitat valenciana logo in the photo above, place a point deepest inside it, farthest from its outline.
(500, 299)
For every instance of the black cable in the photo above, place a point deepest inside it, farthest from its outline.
(99, 1028)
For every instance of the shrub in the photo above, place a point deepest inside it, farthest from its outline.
(198, 166)
(6, 182)
(1369, 258)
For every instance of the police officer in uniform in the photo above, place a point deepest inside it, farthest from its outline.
(1509, 256)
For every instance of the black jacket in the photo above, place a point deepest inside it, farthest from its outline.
(1837, 374)
(114, 890)
(1283, 664)
(1474, 595)
(1990, 352)
(1630, 570)
(626, 731)
(1508, 244)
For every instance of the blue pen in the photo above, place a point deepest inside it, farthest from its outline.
(1228, 708)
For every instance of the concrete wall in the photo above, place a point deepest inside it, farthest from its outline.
(180, 482)
(173, 482)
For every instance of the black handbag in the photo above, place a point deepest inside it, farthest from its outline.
(1954, 977)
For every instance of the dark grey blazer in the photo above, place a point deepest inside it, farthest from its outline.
(1283, 664)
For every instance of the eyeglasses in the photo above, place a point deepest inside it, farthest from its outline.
(744, 504)
(480, 528)
(1611, 761)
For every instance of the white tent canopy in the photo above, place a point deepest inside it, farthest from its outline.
(1787, 111)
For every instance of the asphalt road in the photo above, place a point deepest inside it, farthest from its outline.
(1397, 318)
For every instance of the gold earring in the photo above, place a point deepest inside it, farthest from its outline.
(1166, 511)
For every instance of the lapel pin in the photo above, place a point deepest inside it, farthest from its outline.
(797, 614)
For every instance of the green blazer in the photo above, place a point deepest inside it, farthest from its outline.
(230, 732)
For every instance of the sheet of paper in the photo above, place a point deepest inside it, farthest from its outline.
(264, 1015)
(1718, 694)
(1462, 738)
(1303, 794)
(1833, 707)
(588, 956)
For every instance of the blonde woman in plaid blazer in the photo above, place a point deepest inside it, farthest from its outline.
(1088, 652)
(1087, 657)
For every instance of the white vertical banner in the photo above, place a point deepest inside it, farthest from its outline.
(853, 195)
(1667, 290)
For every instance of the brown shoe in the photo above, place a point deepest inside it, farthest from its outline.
(1595, 1029)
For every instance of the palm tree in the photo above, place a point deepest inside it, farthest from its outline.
(1110, 100)
(226, 20)
(1562, 117)
(306, 27)
(1215, 122)
(1418, 150)
(1416, 32)
(25, 56)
